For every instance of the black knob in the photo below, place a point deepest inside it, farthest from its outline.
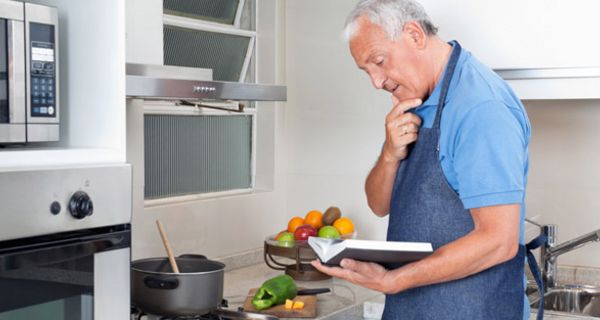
(55, 207)
(81, 205)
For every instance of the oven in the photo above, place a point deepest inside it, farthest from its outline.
(65, 243)
(29, 86)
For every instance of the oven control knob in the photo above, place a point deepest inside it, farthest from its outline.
(81, 205)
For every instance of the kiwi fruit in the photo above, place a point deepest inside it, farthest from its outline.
(330, 215)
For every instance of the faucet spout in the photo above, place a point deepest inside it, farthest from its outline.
(573, 244)
(551, 251)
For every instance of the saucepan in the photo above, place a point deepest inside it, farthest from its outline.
(196, 290)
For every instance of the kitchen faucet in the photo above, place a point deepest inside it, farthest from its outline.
(550, 251)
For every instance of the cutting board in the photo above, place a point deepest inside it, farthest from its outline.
(309, 311)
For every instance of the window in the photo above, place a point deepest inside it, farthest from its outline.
(188, 150)
(196, 154)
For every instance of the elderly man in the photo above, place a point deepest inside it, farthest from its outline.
(451, 172)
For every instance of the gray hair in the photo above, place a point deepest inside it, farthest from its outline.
(391, 15)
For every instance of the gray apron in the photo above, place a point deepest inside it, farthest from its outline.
(425, 208)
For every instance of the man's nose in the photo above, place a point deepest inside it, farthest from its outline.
(377, 80)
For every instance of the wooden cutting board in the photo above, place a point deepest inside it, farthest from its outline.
(309, 311)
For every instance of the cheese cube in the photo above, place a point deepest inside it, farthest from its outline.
(298, 305)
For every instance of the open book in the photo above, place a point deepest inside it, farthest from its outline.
(387, 253)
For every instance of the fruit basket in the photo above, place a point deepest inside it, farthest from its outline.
(299, 255)
(289, 250)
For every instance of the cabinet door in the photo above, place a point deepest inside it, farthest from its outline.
(522, 33)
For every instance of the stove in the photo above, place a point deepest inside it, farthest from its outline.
(65, 242)
(220, 313)
(138, 315)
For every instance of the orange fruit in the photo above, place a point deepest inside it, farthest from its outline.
(344, 225)
(294, 223)
(314, 218)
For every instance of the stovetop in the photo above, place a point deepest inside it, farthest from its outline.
(220, 313)
(140, 315)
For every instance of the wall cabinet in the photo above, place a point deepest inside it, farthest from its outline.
(515, 34)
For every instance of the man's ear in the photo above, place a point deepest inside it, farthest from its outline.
(415, 34)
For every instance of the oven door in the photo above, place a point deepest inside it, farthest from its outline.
(76, 275)
(12, 73)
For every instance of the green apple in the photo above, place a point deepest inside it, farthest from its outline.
(329, 232)
(286, 239)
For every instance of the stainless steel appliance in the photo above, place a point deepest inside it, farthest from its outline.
(65, 243)
(176, 83)
(29, 86)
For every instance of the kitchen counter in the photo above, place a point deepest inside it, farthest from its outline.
(556, 316)
(345, 302)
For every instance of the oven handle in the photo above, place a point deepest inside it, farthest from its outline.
(61, 250)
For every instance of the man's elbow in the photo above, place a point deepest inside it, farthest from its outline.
(508, 251)
(379, 211)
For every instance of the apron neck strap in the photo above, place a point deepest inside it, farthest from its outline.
(452, 62)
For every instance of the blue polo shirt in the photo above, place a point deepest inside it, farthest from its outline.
(484, 138)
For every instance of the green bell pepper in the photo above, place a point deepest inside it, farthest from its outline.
(274, 291)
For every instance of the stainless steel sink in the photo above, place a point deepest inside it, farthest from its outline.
(574, 299)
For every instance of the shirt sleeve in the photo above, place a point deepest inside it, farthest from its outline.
(490, 156)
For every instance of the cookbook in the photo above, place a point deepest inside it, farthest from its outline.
(387, 253)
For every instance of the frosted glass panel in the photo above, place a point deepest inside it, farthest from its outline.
(224, 53)
(221, 11)
(196, 154)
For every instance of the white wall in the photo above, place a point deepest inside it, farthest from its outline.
(564, 179)
(334, 119)
(334, 122)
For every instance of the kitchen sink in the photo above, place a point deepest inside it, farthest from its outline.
(574, 299)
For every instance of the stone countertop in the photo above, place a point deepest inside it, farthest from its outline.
(345, 301)
(550, 315)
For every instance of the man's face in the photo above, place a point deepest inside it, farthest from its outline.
(392, 65)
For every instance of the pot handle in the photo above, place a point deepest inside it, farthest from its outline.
(193, 256)
(167, 283)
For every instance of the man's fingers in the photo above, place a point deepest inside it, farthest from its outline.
(402, 106)
(403, 140)
(404, 117)
(358, 271)
(366, 268)
(332, 271)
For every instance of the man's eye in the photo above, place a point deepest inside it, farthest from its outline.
(379, 62)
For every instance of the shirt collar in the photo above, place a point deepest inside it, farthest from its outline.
(434, 97)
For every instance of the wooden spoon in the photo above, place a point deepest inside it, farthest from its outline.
(165, 241)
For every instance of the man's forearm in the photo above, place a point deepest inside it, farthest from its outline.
(486, 246)
(379, 185)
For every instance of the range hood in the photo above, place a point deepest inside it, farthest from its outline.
(180, 83)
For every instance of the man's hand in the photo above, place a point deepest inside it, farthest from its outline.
(366, 274)
(401, 129)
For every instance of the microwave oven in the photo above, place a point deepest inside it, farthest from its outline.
(29, 99)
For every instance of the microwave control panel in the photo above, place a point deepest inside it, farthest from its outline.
(42, 71)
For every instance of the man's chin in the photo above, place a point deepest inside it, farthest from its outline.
(404, 97)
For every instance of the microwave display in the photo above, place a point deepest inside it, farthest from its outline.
(42, 71)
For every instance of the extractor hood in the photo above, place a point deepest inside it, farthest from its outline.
(182, 83)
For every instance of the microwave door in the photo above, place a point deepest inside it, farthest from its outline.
(12, 74)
